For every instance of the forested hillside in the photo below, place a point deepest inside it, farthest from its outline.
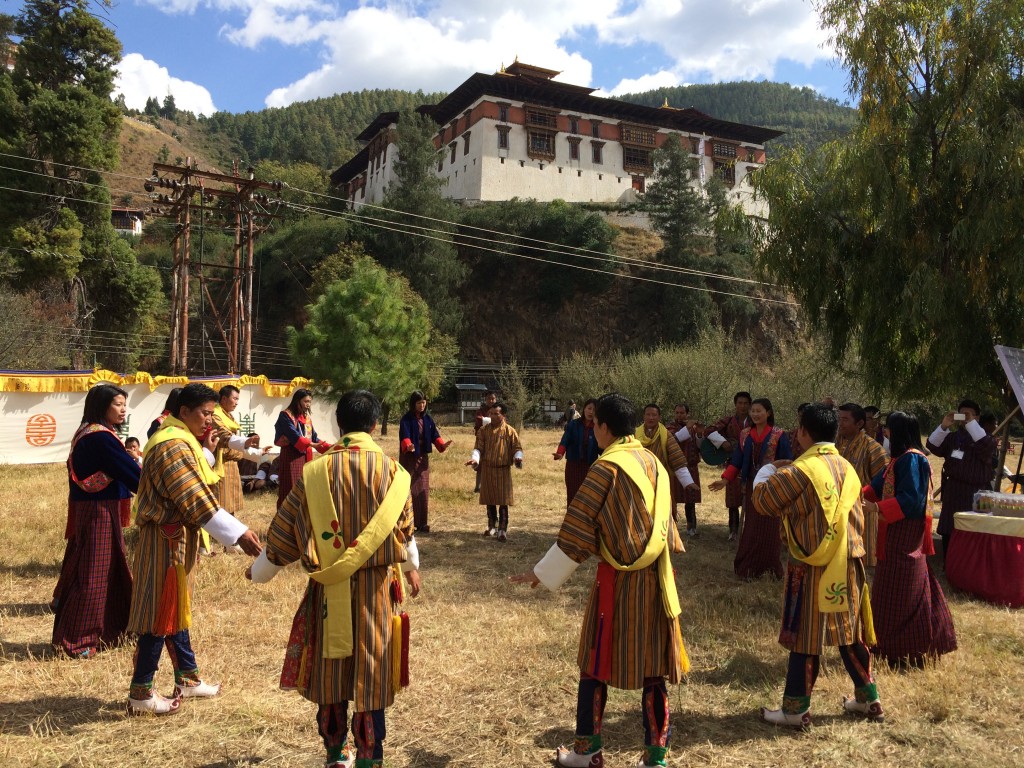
(808, 118)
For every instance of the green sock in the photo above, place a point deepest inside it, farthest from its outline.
(655, 756)
(336, 754)
(866, 693)
(586, 745)
(795, 705)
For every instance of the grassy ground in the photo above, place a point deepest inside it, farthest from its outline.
(493, 665)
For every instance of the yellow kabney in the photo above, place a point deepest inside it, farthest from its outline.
(660, 437)
(339, 560)
(659, 500)
(222, 417)
(833, 551)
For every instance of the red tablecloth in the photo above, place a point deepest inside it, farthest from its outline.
(986, 558)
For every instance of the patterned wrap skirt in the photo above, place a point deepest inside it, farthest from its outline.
(289, 469)
(575, 473)
(496, 485)
(419, 468)
(912, 619)
(94, 591)
(760, 547)
(229, 489)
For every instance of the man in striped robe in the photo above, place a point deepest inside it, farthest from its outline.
(497, 449)
(175, 500)
(231, 449)
(359, 484)
(825, 599)
(724, 434)
(631, 637)
(868, 458)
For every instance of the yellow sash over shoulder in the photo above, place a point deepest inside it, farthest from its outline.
(173, 428)
(660, 437)
(832, 552)
(339, 560)
(660, 501)
(223, 419)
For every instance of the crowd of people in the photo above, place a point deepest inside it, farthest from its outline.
(851, 504)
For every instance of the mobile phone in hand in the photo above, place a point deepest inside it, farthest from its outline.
(959, 417)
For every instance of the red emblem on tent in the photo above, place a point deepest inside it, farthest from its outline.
(40, 429)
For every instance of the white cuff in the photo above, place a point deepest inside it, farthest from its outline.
(263, 570)
(716, 439)
(517, 456)
(275, 477)
(267, 458)
(975, 430)
(475, 456)
(936, 437)
(210, 458)
(225, 527)
(485, 420)
(554, 568)
(254, 452)
(237, 442)
(261, 474)
(412, 562)
(683, 435)
(764, 473)
(885, 444)
(684, 477)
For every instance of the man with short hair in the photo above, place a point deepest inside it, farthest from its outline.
(825, 594)
(348, 518)
(631, 637)
(868, 459)
(482, 419)
(969, 452)
(655, 437)
(496, 450)
(724, 434)
(175, 500)
(231, 449)
(873, 424)
(683, 429)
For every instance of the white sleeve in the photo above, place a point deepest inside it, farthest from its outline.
(225, 527)
(237, 442)
(554, 568)
(936, 437)
(485, 420)
(683, 435)
(764, 473)
(210, 458)
(517, 456)
(263, 570)
(475, 456)
(684, 477)
(261, 474)
(716, 439)
(412, 562)
(975, 430)
(885, 445)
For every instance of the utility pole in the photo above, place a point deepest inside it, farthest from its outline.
(244, 203)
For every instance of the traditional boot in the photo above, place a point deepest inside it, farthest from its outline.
(795, 712)
(340, 757)
(143, 700)
(585, 753)
(653, 757)
(188, 685)
(865, 702)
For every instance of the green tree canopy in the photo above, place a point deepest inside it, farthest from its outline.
(904, 242)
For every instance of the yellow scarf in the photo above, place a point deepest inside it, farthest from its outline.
(832, 552)
(222, 418)
(175, 429)
(339, 560)
(659, 437)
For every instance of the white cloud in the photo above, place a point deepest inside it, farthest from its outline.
(661, 79)
(139, 79)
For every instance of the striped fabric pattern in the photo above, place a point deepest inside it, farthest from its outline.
(730, 427)
(497, 446)
(229, 489)
(867, 457)
(173, 503)
(418, 467)
(691, 452)
(359, 482)
(95, 585)
(789, 494)
(759, 548)
(645, 642)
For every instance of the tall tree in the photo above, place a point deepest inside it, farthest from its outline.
(906, 241)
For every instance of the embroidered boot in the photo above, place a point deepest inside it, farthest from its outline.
(865, 702)
(340, 757)
(653, 757)
(795, 712)
(142, 700)
(188, 685)
(585, 753)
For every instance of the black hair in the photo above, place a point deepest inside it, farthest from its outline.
(226, 391)
(298, 395)
(970, 404)
(738, 395)
(414, 398)
(683, 405)
(655, 406)
(858, 413)
(768, 407)
(904, 432)
(617, 413)
(194, 395)
(820, 421)
(98, 401)
(801, 408)
(988, 422)
(171, 403)
(871, 410)
(589, 401)
(501, 406)
(358, 411)
(129, 440)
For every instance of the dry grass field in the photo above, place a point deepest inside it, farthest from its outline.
(493, 665)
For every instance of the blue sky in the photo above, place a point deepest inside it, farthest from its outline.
(239, 55)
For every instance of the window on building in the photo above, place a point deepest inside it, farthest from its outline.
(465, 143)
(726, 172)
(440, 161)
(452, 147)
(503, 112)
(542, 118)
(574, 124)
(638, 134)
(595, 128)
(574, 148)
(636, 159)
(639, 184)
(725, 150)
(541, 145)
(597, 152)
(503, 136)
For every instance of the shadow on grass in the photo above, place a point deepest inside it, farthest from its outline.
(423, 758)
(742, 669)
(26, 651)
(31, 570)
(47, 715)
(19, 610)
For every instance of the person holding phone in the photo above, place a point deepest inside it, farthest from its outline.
(969, 452)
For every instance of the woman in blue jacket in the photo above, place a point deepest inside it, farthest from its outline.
(417, 436)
